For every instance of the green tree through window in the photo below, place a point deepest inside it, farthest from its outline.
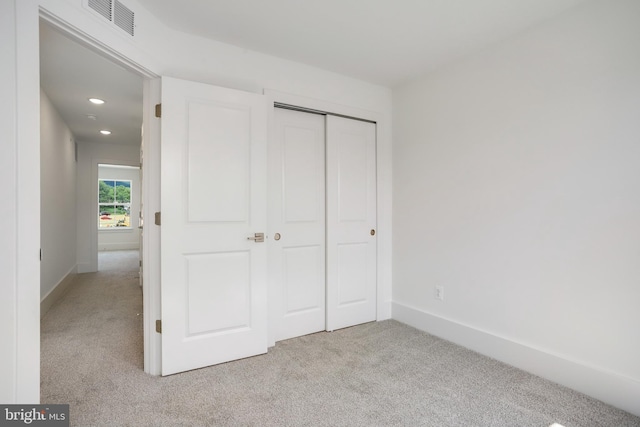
(114, 203)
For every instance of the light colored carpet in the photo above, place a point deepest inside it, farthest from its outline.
(377, 374)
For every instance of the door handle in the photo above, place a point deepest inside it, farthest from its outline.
(277, 236)
(258, 237)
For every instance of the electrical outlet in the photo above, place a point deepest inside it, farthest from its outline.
(440, 293)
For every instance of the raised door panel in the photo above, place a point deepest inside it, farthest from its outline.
(218, 292)
(303, 274)
(351, 273)
(213, 161)
(302, 152)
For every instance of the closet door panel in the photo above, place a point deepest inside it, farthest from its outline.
(351, 222)
(297, 214)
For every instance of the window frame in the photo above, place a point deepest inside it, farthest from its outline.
(115, 204)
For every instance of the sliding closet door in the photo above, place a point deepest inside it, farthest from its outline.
(297, 223)
(351, 222)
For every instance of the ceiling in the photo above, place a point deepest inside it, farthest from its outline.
(383, 42)
(70, 74)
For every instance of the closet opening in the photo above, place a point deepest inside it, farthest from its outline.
(322, 216)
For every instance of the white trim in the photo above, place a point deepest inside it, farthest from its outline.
(383, 169)
(58, 291)
(27, 377)
(94, 44)
(110, 230)
(151, 175)
(124, 167)
(9, 303)
(84, 267)
(124, 246)
(274, 96)
(95, 169)
(605, 385)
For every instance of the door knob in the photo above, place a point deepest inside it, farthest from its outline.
(258, 237)
(277, 236)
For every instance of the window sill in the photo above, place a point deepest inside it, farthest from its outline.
(115, 229)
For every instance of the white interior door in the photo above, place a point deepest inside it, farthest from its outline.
(297, 223)
(213, 197)
(351, 222)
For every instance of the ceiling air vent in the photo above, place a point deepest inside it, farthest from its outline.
(123, 17)
(103, 7)
(114, 11)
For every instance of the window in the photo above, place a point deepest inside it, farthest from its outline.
(114, 204)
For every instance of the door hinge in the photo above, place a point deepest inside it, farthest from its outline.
(158, 218)
(41, 254)
(158, 110)
(140, 263)
(159, 326)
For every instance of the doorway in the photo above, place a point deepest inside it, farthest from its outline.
(118, 208)
(72, 142)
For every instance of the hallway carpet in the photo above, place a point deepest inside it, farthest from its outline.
(376, 374)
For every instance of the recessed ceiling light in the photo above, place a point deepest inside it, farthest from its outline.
(105, 132)
(97, 101)
(92, 117)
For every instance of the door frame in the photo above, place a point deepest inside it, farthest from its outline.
(150, 185)
(383, 206)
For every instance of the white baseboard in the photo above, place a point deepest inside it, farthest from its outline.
(57, 292)
(610, 387)
(85, 267)
(384, 311)
(124, 246)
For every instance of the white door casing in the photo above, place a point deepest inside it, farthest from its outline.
(213, 197)
(140, 214)
(351, 222)
(297, 214)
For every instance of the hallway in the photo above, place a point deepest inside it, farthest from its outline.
(94, 330)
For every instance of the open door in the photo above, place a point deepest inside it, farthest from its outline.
(213, 198)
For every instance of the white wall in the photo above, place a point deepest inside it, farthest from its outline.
(517, 187)
(119, 238)
(90, 155)
(58, 198)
